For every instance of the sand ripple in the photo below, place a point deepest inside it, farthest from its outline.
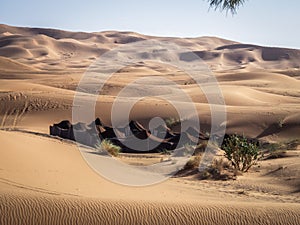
(19, 208)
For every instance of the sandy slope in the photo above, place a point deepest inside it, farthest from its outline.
(51, 183)
(40, 69)
(47, 180)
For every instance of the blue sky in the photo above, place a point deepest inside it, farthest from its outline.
(264, 22)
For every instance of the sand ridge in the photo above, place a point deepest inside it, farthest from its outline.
(45, 179)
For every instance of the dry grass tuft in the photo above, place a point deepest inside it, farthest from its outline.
(193, 163)
(108, 146)
(220, 169)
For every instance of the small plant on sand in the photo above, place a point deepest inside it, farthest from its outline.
(165, 152)
(220, 169)
(279, 149)
(193, 163)
(280, 122)
(241, 152)
(172, 122)
(108, 146)
(275, 154)
(201, 147)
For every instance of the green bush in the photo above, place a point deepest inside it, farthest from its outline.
(241, 152)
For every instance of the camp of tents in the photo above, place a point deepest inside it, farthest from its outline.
(133, 138)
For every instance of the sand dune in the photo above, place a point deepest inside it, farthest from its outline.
(8, 64)
(51, 183)
(256, 81)
(44, 180)
(219, 54)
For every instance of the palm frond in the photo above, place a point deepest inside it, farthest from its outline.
(227, 5)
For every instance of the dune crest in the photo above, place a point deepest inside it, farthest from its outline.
(45, 180)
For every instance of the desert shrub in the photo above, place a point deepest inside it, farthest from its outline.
(279, 149)
(292, 144)
(201, 147)
(193, 163)
(280, 122)
(270, 147)
(165, 152)
(220, 164)
(241, 152)
(218, 170)
(275, 154)
(108, 146)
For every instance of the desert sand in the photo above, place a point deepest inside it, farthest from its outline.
(45, 180)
